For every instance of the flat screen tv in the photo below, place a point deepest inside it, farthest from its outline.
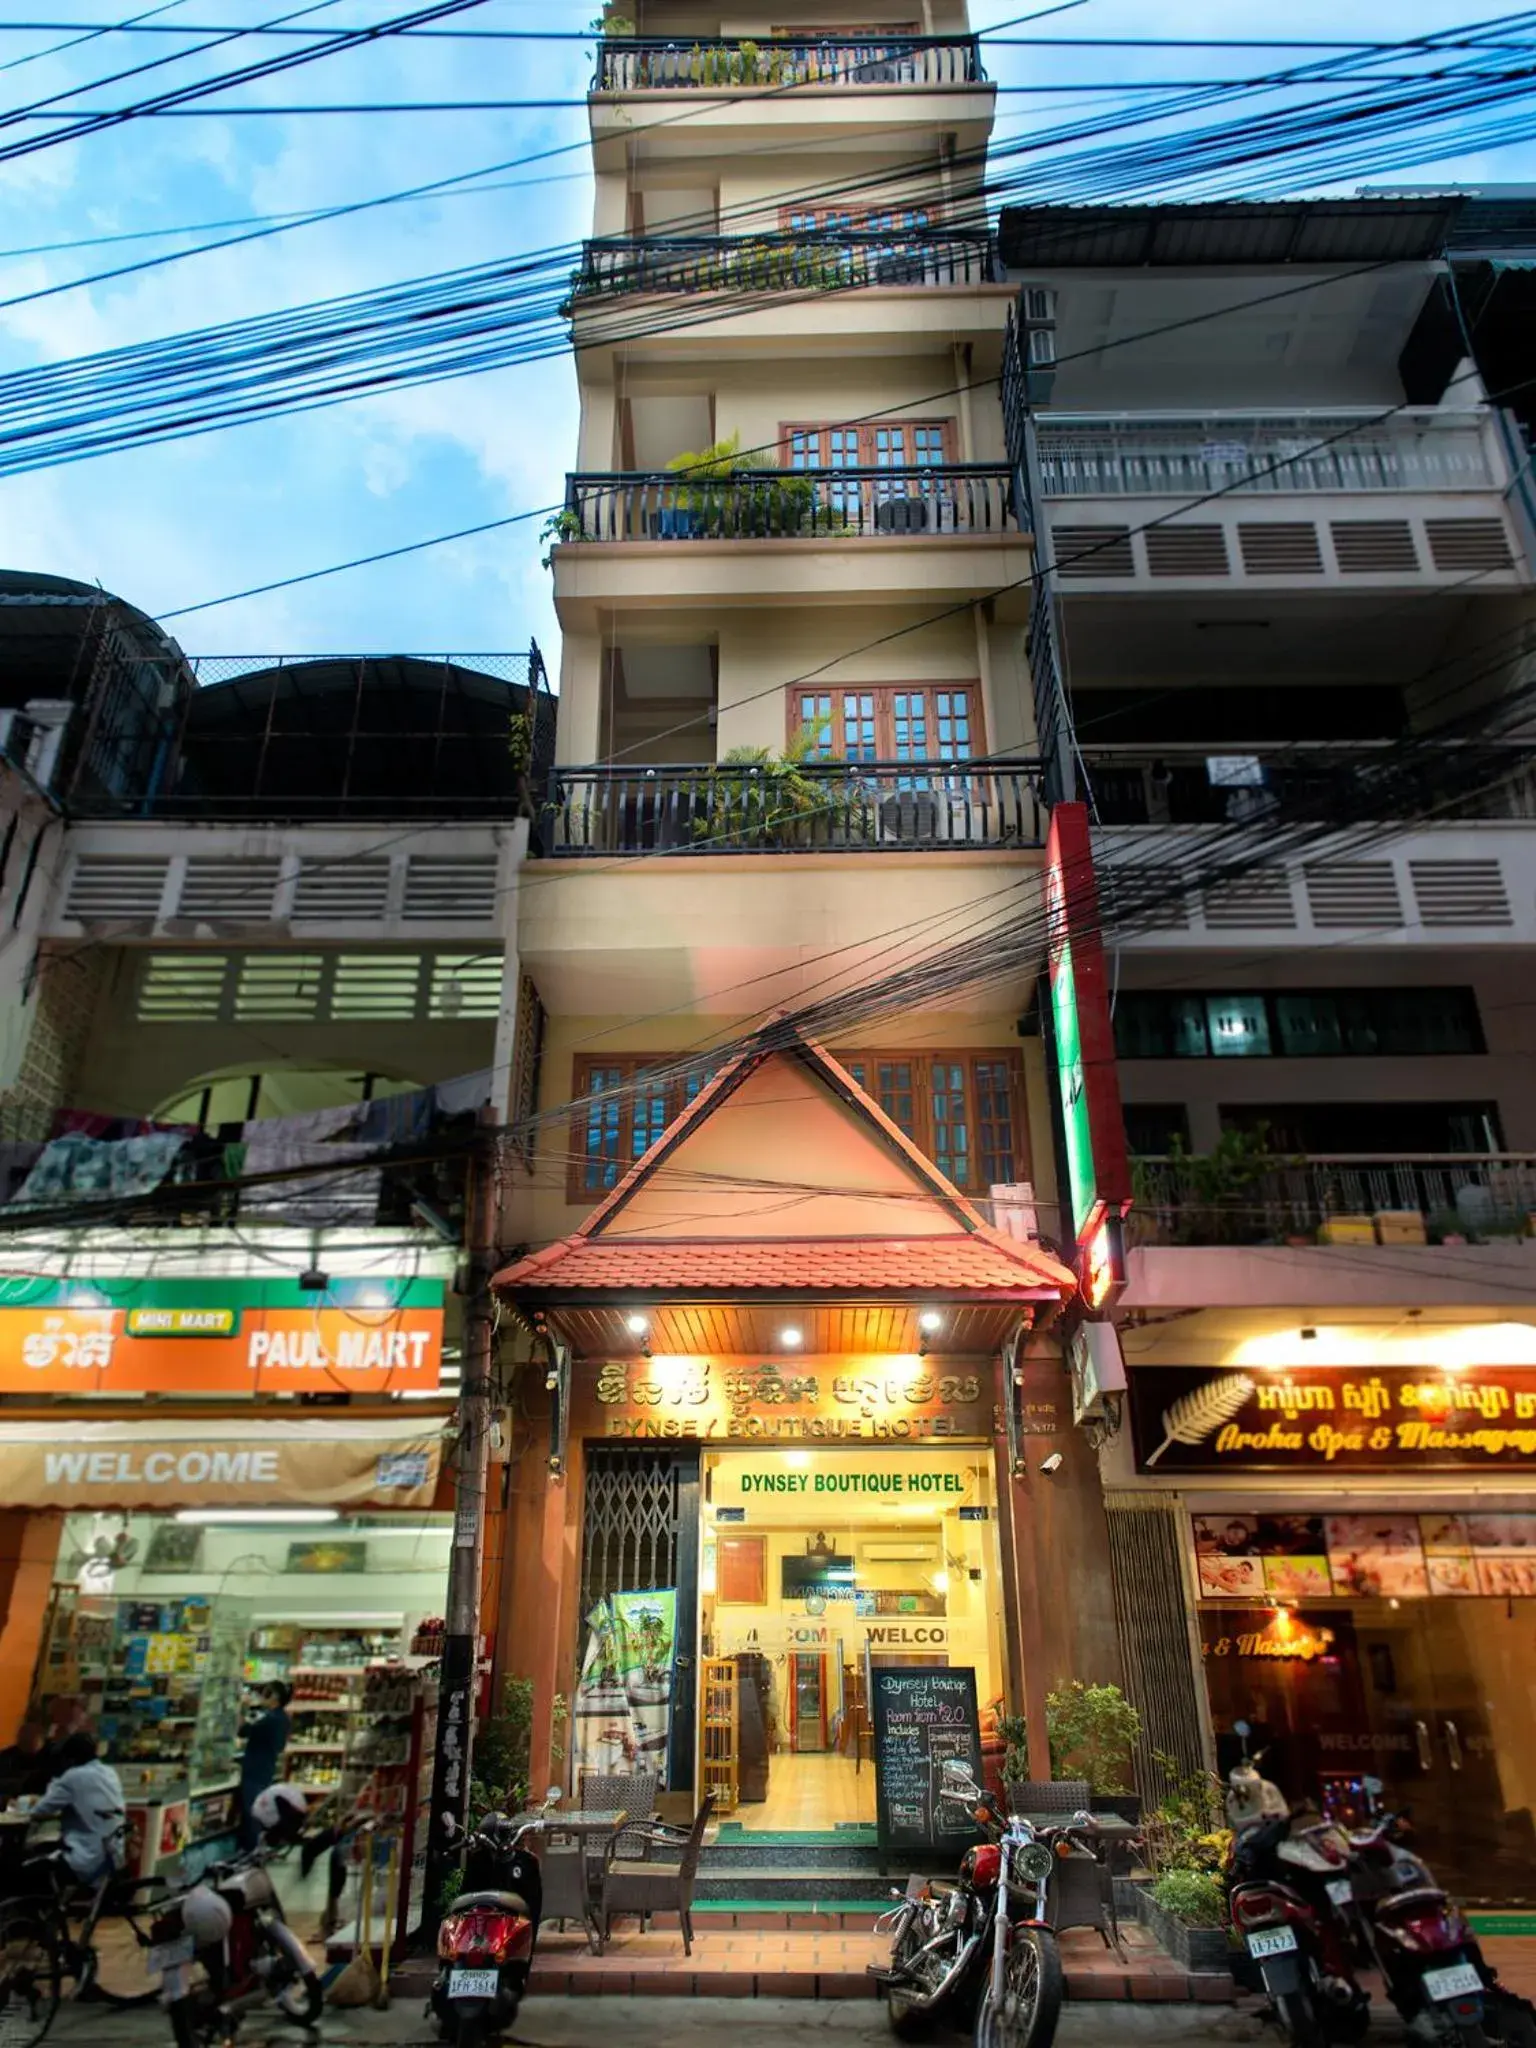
(830, 1576)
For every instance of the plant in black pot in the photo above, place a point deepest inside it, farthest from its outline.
(723, 494)
(759, 800)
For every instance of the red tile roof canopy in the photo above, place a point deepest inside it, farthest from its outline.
(681, 1223)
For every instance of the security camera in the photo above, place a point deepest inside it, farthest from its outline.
(1052, 1463)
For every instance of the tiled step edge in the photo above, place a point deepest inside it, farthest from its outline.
(601, 1978)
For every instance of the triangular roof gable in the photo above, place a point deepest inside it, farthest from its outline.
(821, 1131)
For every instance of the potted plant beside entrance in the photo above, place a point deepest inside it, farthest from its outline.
(1092, 1731)
(1184, 1903)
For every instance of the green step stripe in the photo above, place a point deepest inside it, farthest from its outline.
(1503, 1923)
(829, 1908)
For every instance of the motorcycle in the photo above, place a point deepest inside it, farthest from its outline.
(1287, 1884)
(986, 1940)
(224, 1946)
(486, 1941)
(1430, 1960)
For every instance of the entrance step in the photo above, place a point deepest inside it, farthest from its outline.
(773, 1962)
(790, 1916)
(785, 1882)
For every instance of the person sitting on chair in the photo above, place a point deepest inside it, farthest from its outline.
(23, 1765)
(87, 1796)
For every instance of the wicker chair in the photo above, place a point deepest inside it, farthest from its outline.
(611, 1792)
(1047, 1795)
(661, 1881)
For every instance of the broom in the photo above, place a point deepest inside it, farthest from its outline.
(358, 1983)
(391, 1900)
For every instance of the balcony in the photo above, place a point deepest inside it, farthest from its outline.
(1417, 499)
(1224, 784)
(654, 540)
(632, 64)
(1173, 456)
(952, 499)
(1452, 1198)
(623, 265)
(831, 807)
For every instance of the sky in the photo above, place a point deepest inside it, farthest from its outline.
(175, 525)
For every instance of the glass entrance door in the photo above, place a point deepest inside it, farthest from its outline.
(1434, 1698)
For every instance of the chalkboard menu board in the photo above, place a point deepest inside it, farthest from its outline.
(921, 1717)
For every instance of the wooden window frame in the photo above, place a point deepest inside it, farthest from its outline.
(970, 1059)
(665, 1104)
(885, 695)
(675, 1096)
(867, 432)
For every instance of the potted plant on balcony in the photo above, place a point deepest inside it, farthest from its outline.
(759, 800)
(1216, 1197)
(729, 495)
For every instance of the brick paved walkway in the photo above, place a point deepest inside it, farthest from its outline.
(763, 1955)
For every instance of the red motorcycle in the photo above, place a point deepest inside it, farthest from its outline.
(1287, 1885)
(1430, 1960)
(486, 1940)
(987, 1941)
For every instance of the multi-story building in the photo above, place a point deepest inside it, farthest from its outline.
(778, 1234)
(260, 1000)
(1284, 505)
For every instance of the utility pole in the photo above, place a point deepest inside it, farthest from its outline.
(459, 1684)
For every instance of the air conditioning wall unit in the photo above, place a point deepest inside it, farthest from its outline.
(899, 1553)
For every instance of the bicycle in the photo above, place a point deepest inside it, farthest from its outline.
(39, 1948)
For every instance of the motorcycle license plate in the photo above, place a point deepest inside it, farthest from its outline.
(1340, 1891)
(1271, 1941)
(1460, 1980)
(472, 1983)
(169, 1955)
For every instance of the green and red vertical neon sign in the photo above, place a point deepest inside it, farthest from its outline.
(1098, 1190)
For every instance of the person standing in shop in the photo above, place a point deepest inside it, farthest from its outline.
(266, 1737)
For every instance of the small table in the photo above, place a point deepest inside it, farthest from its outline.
(587, 1827)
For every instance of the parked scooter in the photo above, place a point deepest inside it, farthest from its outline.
(1430, 1960)
(986, 1940)
(223, 1946)
(1287, 1883)
(486, 1940)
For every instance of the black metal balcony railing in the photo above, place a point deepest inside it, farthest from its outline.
(834, 261)
(659, 63)
(1227, 783)
(821, 807)
(1470, 1196)
(770, 504)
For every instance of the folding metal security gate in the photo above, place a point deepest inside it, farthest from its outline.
(640, 1533)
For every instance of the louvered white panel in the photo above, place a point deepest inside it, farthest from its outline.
(182, 988)
(1122, 889)
(1348, 893)
(337, 891)
(279, 985)
(1092, 550)
(1260, 901)
(1461, 545)
(1280, 547)
(466, 987)
(237, 889)
(376, 985)
(105, 886)
(1196, 550)
(1458, 892)
(1373, 547)
(450, 890)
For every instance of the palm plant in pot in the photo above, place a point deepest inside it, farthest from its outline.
(758, 800)
(728, 495)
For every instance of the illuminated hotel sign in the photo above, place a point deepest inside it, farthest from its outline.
(1093, 1133)
(832, 1400)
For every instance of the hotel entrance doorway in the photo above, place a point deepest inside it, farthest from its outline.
(817, 1567)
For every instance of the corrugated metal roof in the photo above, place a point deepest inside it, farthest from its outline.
(1259, 232)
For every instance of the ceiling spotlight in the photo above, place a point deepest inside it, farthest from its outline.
(930, 1320)
(637, 1325)
(791, 1338)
